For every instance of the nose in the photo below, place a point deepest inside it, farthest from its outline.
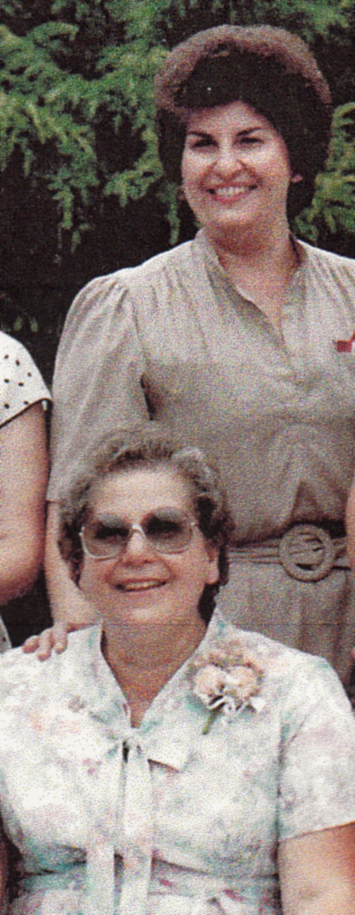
(137, 548)
(228, 161)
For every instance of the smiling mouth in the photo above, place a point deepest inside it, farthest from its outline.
(227, 193)
(140, 585)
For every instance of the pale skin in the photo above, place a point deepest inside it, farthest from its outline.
(148, 600)
(149, 605)
(350, 531)
(236, 175)
(350, 525)
(317, 873)
(23, 478)
(69, 608)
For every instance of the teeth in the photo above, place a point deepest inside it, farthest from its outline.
(140, 585)
(230, 191)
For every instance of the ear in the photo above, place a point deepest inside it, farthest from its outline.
(213, 567)
(295, 179)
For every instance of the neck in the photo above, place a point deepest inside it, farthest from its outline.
(255, 248)
(261, 272)
(144, 658)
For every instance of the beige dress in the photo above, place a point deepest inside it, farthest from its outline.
(172, 341)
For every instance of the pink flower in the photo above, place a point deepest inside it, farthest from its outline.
(209, 683)
(227, 679)
(242, 682)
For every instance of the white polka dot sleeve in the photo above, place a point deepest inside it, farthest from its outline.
(21, 384)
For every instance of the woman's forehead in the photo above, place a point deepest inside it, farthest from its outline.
(237, 113)
(140, 488)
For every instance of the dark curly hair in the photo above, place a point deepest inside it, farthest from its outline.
(149, 448)
(268, 68)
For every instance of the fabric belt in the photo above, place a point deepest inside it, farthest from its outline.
(307, 552)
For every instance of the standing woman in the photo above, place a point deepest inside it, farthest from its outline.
(23, 472)
(232, 339)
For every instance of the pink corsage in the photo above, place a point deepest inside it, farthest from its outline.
(227, 680)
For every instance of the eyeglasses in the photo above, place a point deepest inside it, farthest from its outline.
(167, 530)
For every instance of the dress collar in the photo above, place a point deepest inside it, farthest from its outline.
(168, 725)
(209, 253)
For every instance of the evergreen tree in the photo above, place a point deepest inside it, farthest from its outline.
(76, 92)
(78, 154)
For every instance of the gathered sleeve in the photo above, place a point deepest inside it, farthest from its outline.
(21, 383)
(317, 782)
(97, 385)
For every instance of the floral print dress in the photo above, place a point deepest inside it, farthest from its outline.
(248, 744)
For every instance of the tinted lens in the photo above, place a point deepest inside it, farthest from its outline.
(168, 530)
(105, 540)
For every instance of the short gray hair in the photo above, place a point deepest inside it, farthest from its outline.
(149, 447)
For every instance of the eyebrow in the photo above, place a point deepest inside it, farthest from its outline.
(240, 133)
(107, 520)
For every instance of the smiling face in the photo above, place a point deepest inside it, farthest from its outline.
(235, 170)
(143, 586)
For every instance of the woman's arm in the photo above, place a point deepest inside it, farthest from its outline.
(3, 869)
(23, 479)
(67, 602)
(70, 610)
(317, 873)
(350, 525)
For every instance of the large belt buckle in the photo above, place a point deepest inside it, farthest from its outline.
(307, 552)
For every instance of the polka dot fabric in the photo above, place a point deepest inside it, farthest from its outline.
(21, 384)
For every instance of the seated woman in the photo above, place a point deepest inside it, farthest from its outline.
(168, 763)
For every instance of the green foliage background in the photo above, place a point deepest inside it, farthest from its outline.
(82, 189)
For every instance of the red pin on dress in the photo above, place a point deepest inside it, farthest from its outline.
(346, 346)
